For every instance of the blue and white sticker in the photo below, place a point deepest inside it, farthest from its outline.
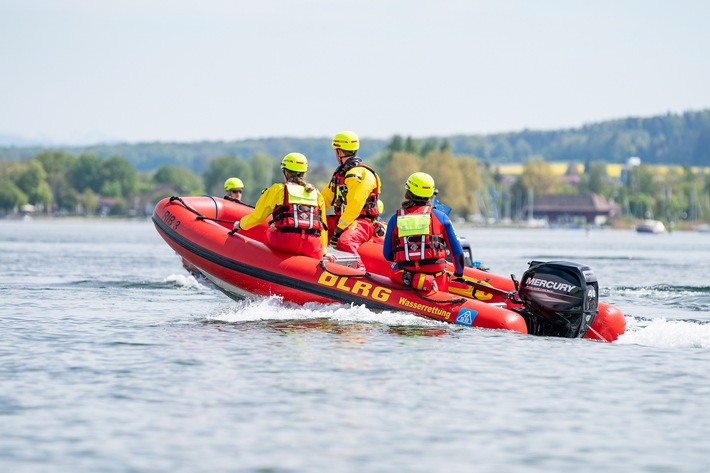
(466, 316)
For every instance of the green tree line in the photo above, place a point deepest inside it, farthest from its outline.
(59, 182)
(64, 183)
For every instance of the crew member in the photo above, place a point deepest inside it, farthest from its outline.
(298, 211)
(234, 187)
(353, 192)
(417, 238)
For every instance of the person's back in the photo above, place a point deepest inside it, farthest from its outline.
(298, 212)
(417, 239)
(353, 192)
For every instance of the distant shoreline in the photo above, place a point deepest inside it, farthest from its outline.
(618, 225)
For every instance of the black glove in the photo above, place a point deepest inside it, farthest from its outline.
(379, 229)
(334, 239)
(461, 264)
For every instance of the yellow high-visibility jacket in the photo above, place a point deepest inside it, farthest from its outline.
(360, 182)
(266, 204)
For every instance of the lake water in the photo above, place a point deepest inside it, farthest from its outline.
(113, 359)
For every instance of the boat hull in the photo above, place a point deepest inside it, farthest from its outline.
(242, 265)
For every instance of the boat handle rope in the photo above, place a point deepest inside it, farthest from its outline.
(199, 215)
(216, 206)
(367, 275)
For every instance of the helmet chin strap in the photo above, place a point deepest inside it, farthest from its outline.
(342, 157)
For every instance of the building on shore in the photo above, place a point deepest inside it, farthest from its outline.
(565, 209)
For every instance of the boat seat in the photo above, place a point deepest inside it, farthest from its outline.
(344, 258)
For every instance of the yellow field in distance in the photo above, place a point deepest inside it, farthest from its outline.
(613, 170)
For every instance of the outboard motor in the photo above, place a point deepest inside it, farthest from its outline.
(560, 298)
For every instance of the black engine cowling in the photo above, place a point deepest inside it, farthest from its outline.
(560, 298)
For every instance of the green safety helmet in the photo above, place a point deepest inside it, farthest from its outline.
(346, 140)
(420, 184)
(295, 162)
(233, 183)
(380, 206)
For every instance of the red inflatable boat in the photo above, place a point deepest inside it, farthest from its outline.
(553, 298)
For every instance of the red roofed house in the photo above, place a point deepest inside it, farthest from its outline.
(569, 208)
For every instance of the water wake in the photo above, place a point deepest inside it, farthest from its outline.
(275, 309)
(184, 281)
(666, 333)
(656, 332)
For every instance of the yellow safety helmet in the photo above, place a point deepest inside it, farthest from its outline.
(346, 140)
(233, 183)
(420, 184)
(380, 206)
(295, 162)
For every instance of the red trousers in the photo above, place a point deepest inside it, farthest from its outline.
(359, 232)
(296, 243)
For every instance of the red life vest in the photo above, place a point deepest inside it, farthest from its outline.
(421, 244)
(340, 190)
(299, 212)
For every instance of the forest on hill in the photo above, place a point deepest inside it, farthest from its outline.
(674, 139)
(127, 179)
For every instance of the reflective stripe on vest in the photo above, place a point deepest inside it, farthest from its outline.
(416, 238)
(298, 195)
(300, 209)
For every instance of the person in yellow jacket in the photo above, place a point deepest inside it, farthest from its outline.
(298, 210)
(353, 192)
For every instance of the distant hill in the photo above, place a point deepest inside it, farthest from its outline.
(197, 155)
(7, 140)
(665, 139)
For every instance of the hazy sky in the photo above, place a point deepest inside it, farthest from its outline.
(78, 71)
